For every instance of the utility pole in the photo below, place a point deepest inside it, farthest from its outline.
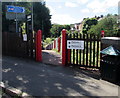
(32, 19)
(16, 20)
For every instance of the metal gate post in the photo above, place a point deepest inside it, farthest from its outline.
(59, 44)
(55, 44)
(64, 47)
(39, 46)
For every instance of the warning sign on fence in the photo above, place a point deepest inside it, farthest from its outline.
(75, 44)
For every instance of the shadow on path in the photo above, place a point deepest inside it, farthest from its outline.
(39, 79)
(51, 57)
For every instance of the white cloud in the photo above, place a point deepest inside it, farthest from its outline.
(63, 19)
(85, 11)
(102, 6)
(75, 1)
(95, 4)
(99, 10)
(55, 0)
(111, 3)
(70, 4)
(52, 11)
(82, 1)
(59, 6)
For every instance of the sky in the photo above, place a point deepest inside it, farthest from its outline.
(73, 11)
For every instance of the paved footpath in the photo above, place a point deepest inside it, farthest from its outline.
(51, 57)
(38, 79)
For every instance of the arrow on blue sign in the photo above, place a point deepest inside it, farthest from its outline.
(15, 9)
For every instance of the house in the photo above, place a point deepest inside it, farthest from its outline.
(77, 26)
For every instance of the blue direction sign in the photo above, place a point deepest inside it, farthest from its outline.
(15, 9)
(10, 8)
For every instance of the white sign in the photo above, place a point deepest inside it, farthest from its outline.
(75, 44)
(24, 37)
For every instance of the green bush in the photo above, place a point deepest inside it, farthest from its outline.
(48, 40)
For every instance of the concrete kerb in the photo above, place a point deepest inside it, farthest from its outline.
(13, 91)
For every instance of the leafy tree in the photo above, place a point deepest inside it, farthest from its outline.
(42, 18)
(56, 29)
(108, 24)
(88, 22)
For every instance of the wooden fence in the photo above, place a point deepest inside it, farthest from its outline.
(13, 45)
(89, 56)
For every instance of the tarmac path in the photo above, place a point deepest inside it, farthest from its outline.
(38, 79)
(51, 57)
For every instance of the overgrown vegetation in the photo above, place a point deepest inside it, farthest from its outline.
(88, 22)
(56, 29)
(108, 24)
(48, 41)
